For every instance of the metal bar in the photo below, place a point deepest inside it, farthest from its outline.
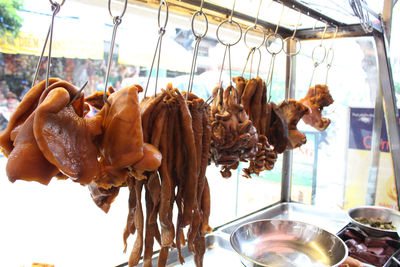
(354, 30)
(293, 4)
(286, 184)
(387, 16)
(375, 152)
(219, 9)
(390, 107)
(315, 168)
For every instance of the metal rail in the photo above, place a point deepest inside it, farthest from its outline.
(390, 106)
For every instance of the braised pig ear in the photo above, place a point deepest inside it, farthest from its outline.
(278, 134)
(26, 161)
(122, 143)
(64, 139)
(23, 111)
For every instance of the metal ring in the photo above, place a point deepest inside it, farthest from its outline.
(277, 37)
(163, 3)
(230, 22)
(297, 40)
(254, 28)
(206, 20)
(55, 2)
(313, 53)
(123, 11)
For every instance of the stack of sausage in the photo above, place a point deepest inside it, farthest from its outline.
(180, 129)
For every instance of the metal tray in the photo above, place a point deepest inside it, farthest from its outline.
(219, 251)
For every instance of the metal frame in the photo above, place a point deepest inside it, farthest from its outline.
(385, 102)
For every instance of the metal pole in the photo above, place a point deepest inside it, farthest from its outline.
(390, 107)
(375, 152)
(286, 185)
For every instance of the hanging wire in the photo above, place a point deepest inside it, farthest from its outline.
(157, 53)
(55, 7)
(198, 38)
(330, 55)
(116, 21)
(254, 48)
(316, 61)
(273, 51)
(228, 45)
(292, 54)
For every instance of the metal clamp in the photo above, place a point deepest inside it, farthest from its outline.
(163, 3)
(122, 13)
(255, 28)
(232, 23)
(199, 13)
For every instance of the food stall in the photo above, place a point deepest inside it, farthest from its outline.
(313, 38)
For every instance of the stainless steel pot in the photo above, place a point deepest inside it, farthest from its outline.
(286, 243)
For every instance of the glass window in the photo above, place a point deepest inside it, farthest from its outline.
(336, 162)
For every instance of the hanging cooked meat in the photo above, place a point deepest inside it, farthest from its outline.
(63, 138)
(233, 136)
(103, 197)
(278, 133)
(23, 111)
(264, 160)
(122, 141)
(293, 111)
(316, 99)
(26, 161)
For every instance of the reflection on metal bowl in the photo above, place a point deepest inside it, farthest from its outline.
(375, 212)
(286, 243)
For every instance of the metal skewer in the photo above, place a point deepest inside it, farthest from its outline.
(116, 21)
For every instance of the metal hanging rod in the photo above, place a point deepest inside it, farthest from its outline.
(222, 10)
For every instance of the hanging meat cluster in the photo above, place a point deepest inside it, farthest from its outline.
(180, 129)
(316, 99)
(237, 112)
(160, 147)
(48, 135)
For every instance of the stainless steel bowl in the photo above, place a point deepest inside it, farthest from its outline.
(375, 212)
(287, 243)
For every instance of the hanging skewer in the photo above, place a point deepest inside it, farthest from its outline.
(252, 50)
(268, 45)
(55, 7)
(116, 21)
(330, 55)
(316, 61)
(157, 53)
(292, 54)
(198, 38)
(228, 45)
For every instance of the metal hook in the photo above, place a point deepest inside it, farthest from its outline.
(280, 19)
(330, 55)
(196, 47)
(251, 54)
(161, 32)
(77, 94)
(233, 8)
(55, 8)
(55, 3)
(116, 21)
(297, 25)
(323, 34)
